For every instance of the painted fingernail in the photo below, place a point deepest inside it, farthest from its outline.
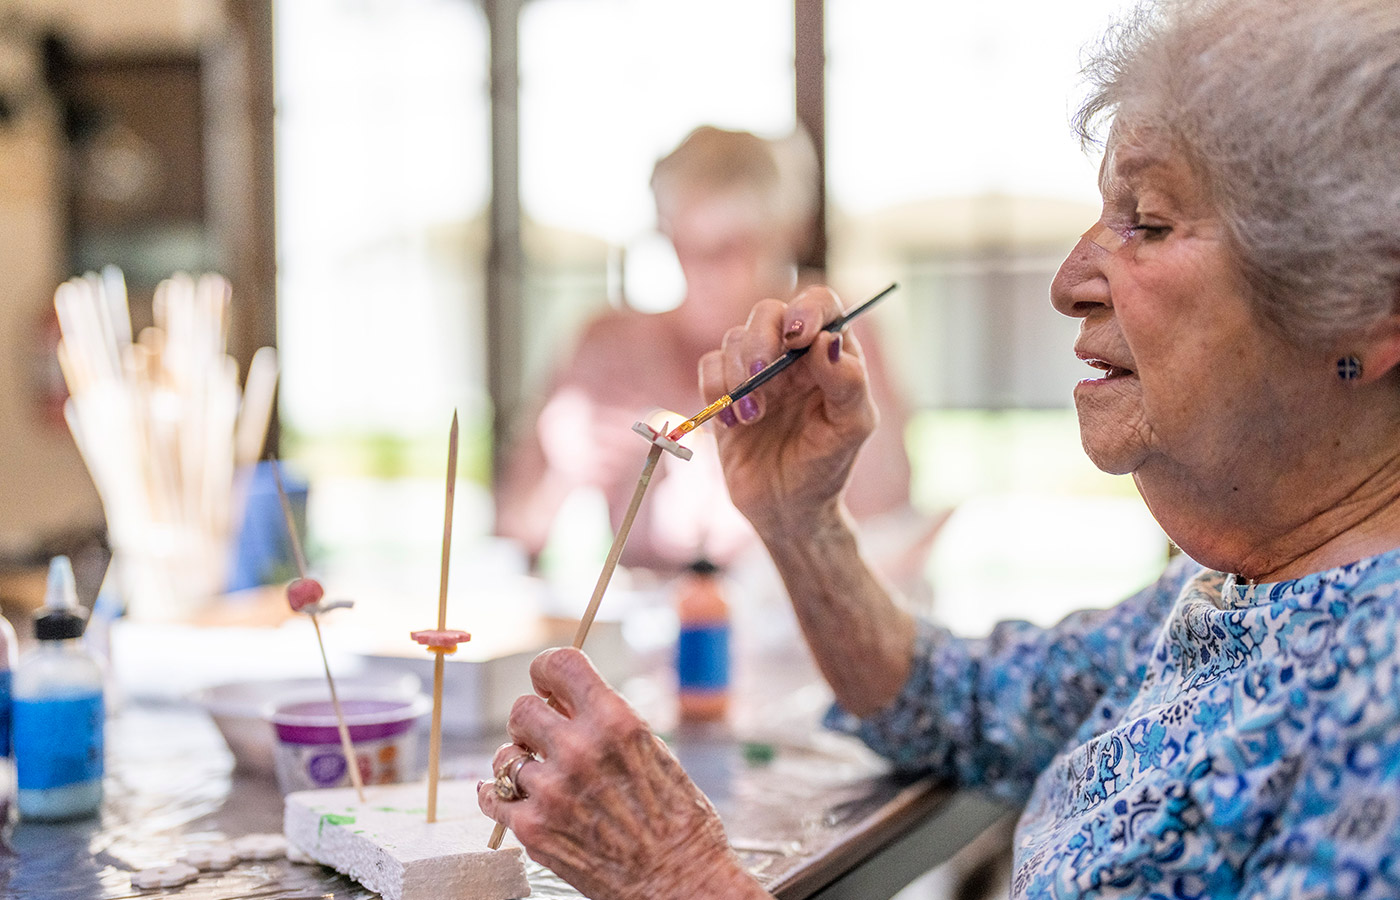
(833, 351)
(748, 408)
(794, 329)
(480, 785)
(757, 366)
(727, 416)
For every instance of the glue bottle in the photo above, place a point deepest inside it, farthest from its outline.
(702, 650)
(58, 712)
(9, 645)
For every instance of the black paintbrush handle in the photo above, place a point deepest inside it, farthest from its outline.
(788, 358)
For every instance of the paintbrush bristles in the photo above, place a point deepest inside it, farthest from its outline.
(699, 418)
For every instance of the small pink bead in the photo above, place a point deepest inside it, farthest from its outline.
(434, 638)
(303, 592)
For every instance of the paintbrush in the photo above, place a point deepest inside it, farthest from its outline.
(772, 369)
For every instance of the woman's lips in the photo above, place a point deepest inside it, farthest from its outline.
(1109, 370)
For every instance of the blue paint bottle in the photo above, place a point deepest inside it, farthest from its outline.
(58, 714)
(702, 650)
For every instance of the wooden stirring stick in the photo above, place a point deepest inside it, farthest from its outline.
(300, 558)
(604, 577)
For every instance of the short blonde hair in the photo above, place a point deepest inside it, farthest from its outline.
(777, 176)
(1290, 111)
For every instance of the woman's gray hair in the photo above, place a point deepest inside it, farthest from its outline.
(1290, 111)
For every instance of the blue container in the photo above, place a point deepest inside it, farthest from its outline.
(263, 552)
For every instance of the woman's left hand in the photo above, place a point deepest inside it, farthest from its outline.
(606, 806)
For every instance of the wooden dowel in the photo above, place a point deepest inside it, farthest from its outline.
(297, 556)
(615, 552)
(610, 564)
(346, 746)
(447, 523)
(435, 734)
(345, 743)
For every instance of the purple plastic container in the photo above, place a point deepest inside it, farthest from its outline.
(309, 754)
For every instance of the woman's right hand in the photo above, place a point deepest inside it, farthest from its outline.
(789, 446)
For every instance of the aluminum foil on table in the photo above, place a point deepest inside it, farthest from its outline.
(170, 788)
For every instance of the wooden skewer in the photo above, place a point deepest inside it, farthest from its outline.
(614, 554)
(345, 743)
(346, 746)
(435, 734)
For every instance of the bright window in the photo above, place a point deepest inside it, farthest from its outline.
(382, 149)
(382, 183)
(951, 168)
(608, 87)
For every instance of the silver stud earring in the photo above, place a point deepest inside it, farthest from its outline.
(1349, 367)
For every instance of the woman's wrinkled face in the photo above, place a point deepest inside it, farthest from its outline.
(1189, 381)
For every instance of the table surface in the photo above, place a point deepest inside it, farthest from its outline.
(819, 808)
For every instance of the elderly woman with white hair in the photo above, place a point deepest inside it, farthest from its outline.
(1231, 731)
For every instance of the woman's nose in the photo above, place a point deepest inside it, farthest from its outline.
(1080, 285)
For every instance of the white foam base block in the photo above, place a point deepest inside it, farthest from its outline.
(387, 844)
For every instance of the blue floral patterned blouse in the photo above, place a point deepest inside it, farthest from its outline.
(1182, 743)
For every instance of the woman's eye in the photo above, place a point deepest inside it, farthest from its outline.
(1148, 232)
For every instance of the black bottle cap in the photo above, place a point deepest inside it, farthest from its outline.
(703, 566)
(59, 624)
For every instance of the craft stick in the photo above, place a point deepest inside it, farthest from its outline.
(435, 734)
(610, 564)
(259, 390)
(118, 308)
(97, 300)
(166, 410)
(345, 743)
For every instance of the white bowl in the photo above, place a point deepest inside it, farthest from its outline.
(240, 710)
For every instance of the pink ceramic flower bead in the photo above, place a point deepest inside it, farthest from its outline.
(303, 592)
(445, 640)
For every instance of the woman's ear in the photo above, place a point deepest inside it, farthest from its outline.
(1379, 350)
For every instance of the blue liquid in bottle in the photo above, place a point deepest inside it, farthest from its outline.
(58, 712)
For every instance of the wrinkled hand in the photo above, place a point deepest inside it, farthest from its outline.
(788, 455)
(607, 807)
